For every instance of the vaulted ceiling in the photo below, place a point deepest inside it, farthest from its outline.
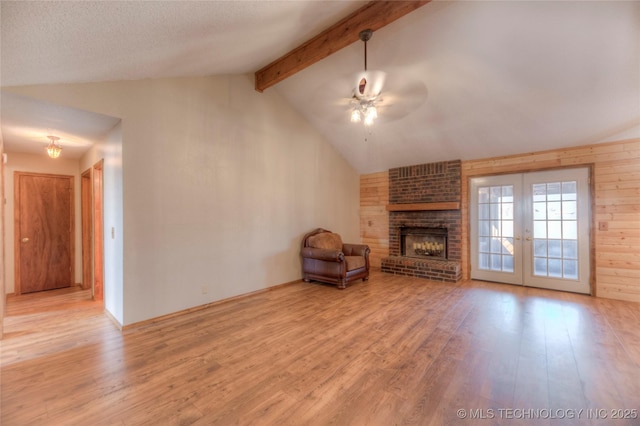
(465, 79)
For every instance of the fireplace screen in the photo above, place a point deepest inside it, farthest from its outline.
(423, 242)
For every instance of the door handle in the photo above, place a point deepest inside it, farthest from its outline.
(528, 238)
(25, 240)
(518, 238)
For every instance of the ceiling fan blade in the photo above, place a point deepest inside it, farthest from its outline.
(394, 105)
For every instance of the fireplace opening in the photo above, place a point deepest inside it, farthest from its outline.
(423, 242)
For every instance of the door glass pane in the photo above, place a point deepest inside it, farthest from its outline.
(484, 228)
(494, 211)
(569, 210)
(484, 244)
(507, 263)
(570, 249)
(483, 195)
(539, 211)
(554, 229)
(569, 190)
(539, 192)
(555, 268)
(507, 211)
(570, 269)
(483, 211)
(554, 210)
(554, 191)
(540, 266)
(496, 247)
(507, 246)
(555, 248)
(539, 229)
(569, 230)
(496, 262)
(507, 228)
(495, 228)
(496, 193)
(540, 248)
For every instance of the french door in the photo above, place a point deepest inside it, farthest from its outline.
(532, 229)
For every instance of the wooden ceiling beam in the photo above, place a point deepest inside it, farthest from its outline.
(373, 15)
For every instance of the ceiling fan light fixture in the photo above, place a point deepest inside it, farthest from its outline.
(366, 89)
(370, 115)
(369, 84)
(356, 115)
(363, 111)
(53, 149)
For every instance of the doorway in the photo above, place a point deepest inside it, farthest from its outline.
(98, 231)
(92, 208)
(532, 229)
(44, 231)
(86, 211)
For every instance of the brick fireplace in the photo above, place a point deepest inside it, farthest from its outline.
(421, 198)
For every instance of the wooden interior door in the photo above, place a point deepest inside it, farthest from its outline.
(43, 232)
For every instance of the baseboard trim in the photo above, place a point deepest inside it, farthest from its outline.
(201, 307)
(113, 320)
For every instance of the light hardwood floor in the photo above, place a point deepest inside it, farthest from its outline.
(390, 351)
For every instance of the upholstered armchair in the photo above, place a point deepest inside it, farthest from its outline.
(325, 258)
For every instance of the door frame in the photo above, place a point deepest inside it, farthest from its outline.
(591, 221)
(16, 224)
(97, 174)
(86, 214)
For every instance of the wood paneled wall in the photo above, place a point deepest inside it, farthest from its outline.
(374, 217)
(615, 228)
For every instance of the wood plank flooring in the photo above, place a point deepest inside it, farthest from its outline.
(390, 351)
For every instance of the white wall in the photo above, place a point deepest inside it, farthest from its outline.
(220, 183)
(40, 163)
(110, 150)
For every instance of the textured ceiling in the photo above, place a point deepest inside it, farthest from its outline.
(465, 79)
(48, 42)
(83, 41)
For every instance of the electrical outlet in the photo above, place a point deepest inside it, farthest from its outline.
(205, 290)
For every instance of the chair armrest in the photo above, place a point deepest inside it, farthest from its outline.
(356, 249)
(323, 254)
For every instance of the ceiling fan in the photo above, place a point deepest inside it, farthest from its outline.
(375, 94)
(370, 96)
(366, 93)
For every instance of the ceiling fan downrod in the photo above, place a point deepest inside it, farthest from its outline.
(365, 36)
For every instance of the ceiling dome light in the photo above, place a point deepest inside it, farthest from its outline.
(53, 149)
